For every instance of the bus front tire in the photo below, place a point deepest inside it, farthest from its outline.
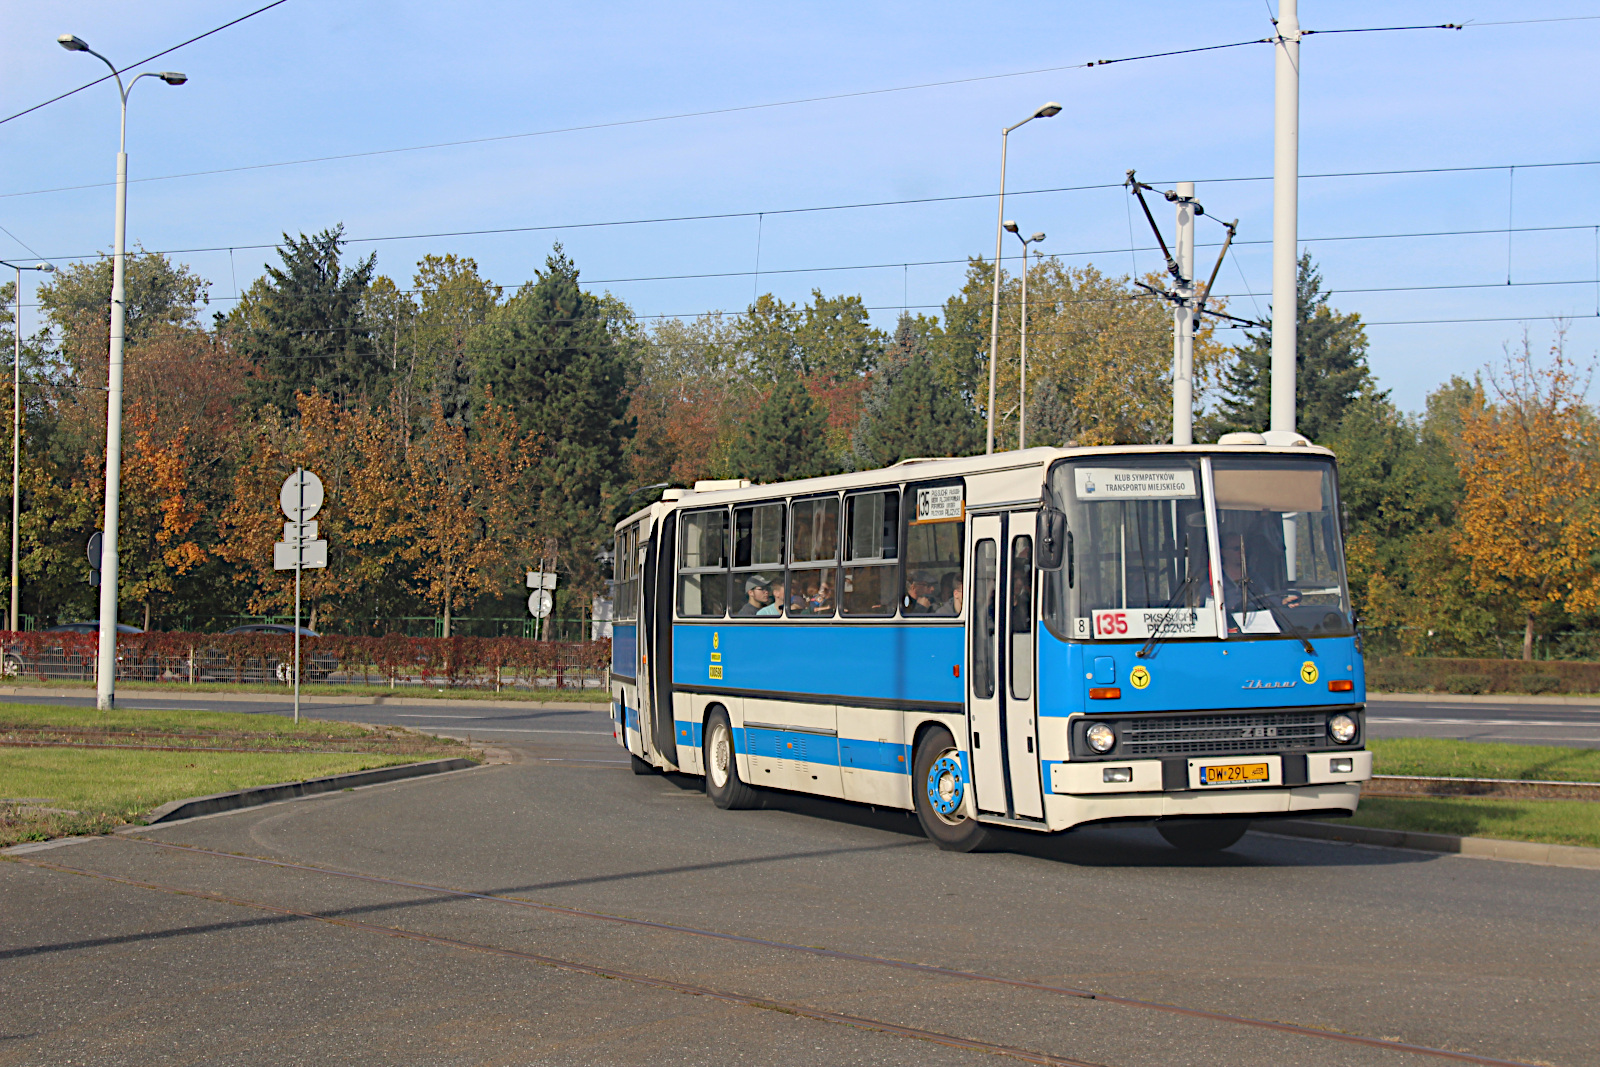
(723, 785)
(941, 791)
(1202, 835)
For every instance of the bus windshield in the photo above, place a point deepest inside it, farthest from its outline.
(1141, 548)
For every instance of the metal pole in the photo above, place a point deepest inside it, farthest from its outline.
(994, 317)
(15, 622)
(1285, 215)
(1183, 323)
(1022, 382)
(299, 564)
(105, 689)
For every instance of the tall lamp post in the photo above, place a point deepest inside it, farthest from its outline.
(14, 620)
(105, 696)
(1049, 110)
(1022, 383)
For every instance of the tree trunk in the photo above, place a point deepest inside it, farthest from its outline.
(446, 609)
(1527, 640)
(147, 615)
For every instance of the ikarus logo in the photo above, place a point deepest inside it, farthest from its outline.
(1257, 683)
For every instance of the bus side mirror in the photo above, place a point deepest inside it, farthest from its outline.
(1052, 539)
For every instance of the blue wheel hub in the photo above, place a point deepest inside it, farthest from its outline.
(946, 785)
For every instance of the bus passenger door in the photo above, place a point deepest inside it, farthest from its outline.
(985, 698)
(1000, 666)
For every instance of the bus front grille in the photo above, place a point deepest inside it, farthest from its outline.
(1214, 735)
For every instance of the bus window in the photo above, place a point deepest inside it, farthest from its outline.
(758, 586)
(626, 574)
(703, 564)
(933, 556)
(872, 527)
(1021, 615)
(814, 557)
(984, 562)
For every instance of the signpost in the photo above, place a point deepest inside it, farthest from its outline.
(543, 598)
(301, 497)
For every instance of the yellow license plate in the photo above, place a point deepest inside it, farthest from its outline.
(1233, 773)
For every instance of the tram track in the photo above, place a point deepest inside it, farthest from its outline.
(931, 970)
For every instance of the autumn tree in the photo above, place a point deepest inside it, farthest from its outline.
(908, 412)
(467, 509)
(786, 438)
(1531, 479)
(158, 512)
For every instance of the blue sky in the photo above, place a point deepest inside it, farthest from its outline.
(327, 77)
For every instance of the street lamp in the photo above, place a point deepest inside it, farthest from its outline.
(1022, 386)
(13, 621)
(1049, 110)
(105, 696)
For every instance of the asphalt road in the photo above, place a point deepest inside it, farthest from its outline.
(1509, 721)
(129, 952)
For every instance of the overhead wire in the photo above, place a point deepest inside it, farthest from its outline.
(140, 63)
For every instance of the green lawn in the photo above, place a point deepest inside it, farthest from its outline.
(57, 791)
(1440, 758)
(1555, 822)
(409, 692)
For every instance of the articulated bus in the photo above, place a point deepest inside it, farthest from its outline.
(1039, 639)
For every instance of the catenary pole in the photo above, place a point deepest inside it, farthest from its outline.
(1285, 214)
(14, 620)
(1183, 322)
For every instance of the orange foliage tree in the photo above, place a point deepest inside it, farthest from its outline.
(1528, 462)
(467, 508)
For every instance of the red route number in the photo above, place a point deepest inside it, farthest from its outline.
(1111, 623)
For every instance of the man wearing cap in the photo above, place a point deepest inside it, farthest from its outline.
(758, 598)
(921, 589)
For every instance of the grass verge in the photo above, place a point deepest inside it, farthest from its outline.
(1442, 758)
(61, 791)
(1551, 822)
(407, 691)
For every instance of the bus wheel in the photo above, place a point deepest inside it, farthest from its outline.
(1202, 835)
(940, 788)
(722, 769)
(640, 766)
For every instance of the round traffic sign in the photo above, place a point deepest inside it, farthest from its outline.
(96, 543)
(540, 602)
(301, 496)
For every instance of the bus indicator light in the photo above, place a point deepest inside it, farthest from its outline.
(1105, 693)
(1341, 685)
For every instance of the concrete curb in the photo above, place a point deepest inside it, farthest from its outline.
(1480, 847)
(174, 810)
(398, 700)
(1480, 698)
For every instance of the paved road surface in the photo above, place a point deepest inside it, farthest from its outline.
(1542, 724)
(1552, 724)
(124, 964)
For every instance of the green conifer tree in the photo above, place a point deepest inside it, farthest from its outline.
(550, 355)
(786, 437)
(908, 411)
(1330, 366)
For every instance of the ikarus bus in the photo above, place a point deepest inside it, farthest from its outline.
(1039, 639)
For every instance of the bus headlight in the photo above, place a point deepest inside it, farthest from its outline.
(1342, 728)
(1101, 737)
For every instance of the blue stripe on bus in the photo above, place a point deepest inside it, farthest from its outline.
(914, 663)
(1197, 675)
(624, 648)
(856, 753)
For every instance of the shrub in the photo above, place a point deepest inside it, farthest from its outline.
(1541, 683)
(1466, 683)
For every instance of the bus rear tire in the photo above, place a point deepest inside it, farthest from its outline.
(640, 766)
(941, 791)
(723, 784)
(1202, 835)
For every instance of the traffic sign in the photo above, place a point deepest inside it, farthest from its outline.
(301, 496)
(96, 546)
(540, 601)
(541, 580)
(306, 554)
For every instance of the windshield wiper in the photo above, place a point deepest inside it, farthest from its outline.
(1283, 620)
(1161, 628)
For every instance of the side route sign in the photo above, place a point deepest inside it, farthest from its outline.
(300, 549)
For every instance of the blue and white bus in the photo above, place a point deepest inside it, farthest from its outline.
(1038, 639)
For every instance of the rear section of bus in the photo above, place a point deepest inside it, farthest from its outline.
(1199, 658)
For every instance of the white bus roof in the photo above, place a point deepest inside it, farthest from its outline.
(918, 470)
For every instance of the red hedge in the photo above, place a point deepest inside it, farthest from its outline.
(456, 661)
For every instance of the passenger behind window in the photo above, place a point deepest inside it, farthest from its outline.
(921, 594)
(952, 606)
(758, 598)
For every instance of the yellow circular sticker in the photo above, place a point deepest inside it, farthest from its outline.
(1139, 676)
(716, 639)
(1308, 672)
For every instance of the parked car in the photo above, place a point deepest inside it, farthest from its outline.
(50, 661)
(314, 667)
